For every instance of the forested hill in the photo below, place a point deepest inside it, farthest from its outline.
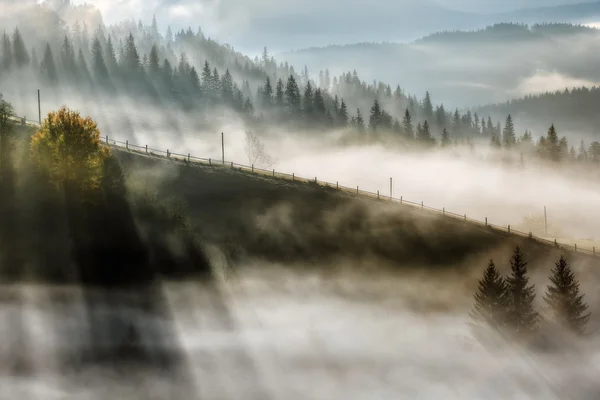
(131, 78)
(463, 68)
(576, 109)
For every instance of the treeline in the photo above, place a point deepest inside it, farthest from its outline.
(575, 108)
(506, 305)
(512, 31)
(192, 72)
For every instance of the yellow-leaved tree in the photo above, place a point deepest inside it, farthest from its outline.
(68, 146)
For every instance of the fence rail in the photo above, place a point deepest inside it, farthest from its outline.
(188, 159)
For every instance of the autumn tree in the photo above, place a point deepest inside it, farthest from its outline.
(68, 146)
(565, 303)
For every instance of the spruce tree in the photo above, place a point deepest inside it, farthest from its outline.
(456, 123)
(48, 67)
(132, 58)
(68, 58)
(343, 114)
(207, 87)
(445, 138)
(111, 57)
(564, 301)
(227, 88)
(153, 63)
(360, 122)
(425, 134)
(267, 93)
(319, 105)
(292, 96)
(427, 106)
(407, 126)
(279, 94)
(491, 300)
(508, 134)
(375, 119)
(20, 54)
(308, 101)
(99, 66)
(521, 315)
(7, 54)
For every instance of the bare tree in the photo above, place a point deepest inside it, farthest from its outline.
(256, 153)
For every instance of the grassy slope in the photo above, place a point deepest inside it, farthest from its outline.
(283, 221)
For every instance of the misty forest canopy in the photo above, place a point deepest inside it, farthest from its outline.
(190, 73)
(467, 68)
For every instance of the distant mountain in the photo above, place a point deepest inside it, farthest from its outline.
(463, 68)
(574, 13)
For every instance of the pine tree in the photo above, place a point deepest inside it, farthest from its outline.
(508, 134)
(154, 62)
(48, 67)
(375, 117)
(99, 66)
(407, 126)
(564, 301)
(445, 138)
(68, 58)
(425, 134)
(343, 114)
(521, 315)
(207, 86)
(360, 122)
(216, 83)
(131, 63)
(267, 93)
(308, 106)
(82, 67)
(227, 87)
(319, 105)
(279, 94)
(456, 123)
(292, 96)
(7, 54)
(491, 301)
(20, 54)
(111, 57)
(427, 106)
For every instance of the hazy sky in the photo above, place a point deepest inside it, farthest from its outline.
(288, 24)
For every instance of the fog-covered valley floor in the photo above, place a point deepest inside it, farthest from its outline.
(273, 333)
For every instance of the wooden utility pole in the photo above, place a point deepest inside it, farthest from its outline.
(391, 194)
(223, 147)
(545, 222)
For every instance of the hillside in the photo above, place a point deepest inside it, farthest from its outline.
(463, 68)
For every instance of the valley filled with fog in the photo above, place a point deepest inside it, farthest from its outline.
(134, 272)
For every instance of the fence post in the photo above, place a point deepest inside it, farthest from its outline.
(337, 185)
(400, 199)
(232, 164)
(422, 205)
(106, 139)
(594, 250)
(530, 235)
(485, 221)
(293, 176)
(146, 149)
(127, 144)
(273, 171)
(378, 195)
(575, 247)
(209, 162)
(252, 168)
(555, 243)
(465, 217)
(188, 157)
(509, 229)
(444, 211)
(357, 190)
(316, 179)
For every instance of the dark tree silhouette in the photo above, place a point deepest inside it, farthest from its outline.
(521, 316)
(48, 67)
(491, 301)
(564, 301)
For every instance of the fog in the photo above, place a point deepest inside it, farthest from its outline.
(273, 333)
